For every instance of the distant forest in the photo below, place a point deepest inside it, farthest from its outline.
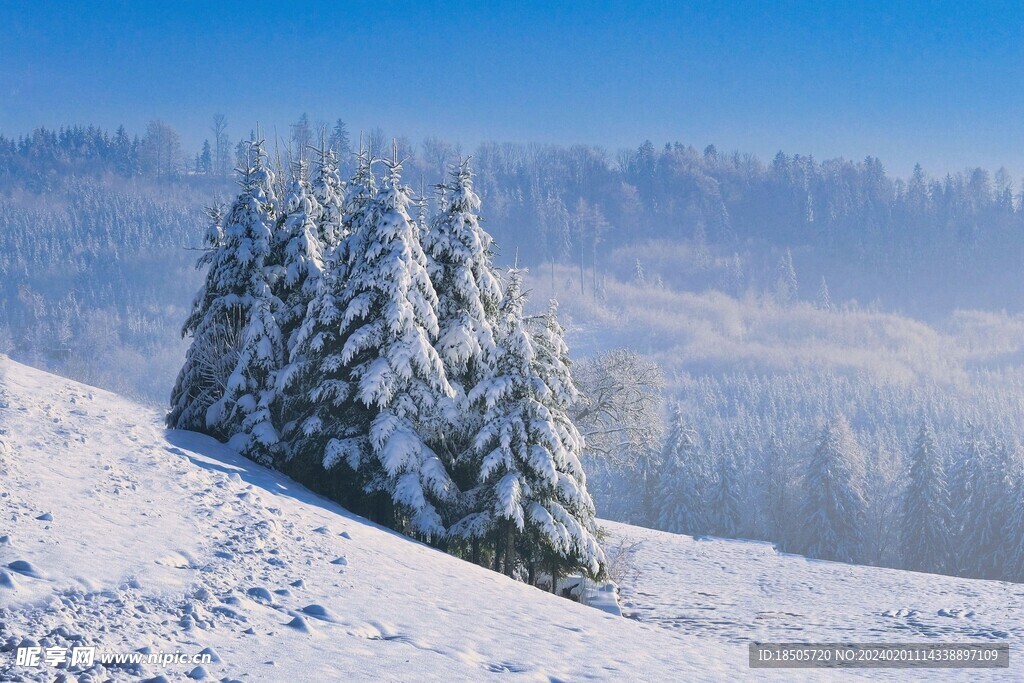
(920, 245)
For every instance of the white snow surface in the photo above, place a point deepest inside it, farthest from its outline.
(125, 535)
(737, 591)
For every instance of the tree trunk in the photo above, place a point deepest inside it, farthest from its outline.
(509, 564)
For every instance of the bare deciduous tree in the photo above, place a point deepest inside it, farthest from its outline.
(620, 409)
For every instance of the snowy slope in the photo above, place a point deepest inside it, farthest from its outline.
(169, 540)
(740, 591)
(124, 535)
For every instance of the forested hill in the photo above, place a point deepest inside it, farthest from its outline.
(922, 244)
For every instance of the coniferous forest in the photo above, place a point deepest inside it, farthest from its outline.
(374, 320)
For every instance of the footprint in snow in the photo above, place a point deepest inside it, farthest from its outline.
(505, 668)
(340, 561)
(45, 517)
(900, 613)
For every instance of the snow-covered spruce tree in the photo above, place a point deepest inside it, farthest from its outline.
(824, 299)
(925, 537)
(468, 294)
(582, 553)
(725, 501)
(214, 393)
(786, 286)
(682, 506)
(776, 483)
(301, 256)
(328, 194)
(833, 502)
(992, 513)
(531, 507)
(983, 486)
(216, 339)
(369, 372)
(639, 275)
(245, 413)
(315, 385)
(1013, 541)
(968, 503)
(644, 485)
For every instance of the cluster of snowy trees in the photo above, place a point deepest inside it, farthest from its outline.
(379, 356)
(943, 504)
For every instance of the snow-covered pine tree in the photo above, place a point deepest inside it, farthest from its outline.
(368, 369)
(302, 256)
(1013, 541)
(531, 500)
(216, 339)
(925, 537)
(232, 320)
(833, 502)
(725, 501)
(992, 513)
(252, 269)
(968, 500)
(786, 285)
(582, 553)
(468, 294)
(315, 384)
(682, 506)
(644, 484)
(777, 481)
(824, 300)
(639, 276)
(328, 194)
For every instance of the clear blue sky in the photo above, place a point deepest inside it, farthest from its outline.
(935, 82)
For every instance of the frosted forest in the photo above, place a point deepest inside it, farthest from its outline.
(814, 353)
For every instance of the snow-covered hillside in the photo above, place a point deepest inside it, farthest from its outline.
(740, 591)
(171, 541)
(117, 533)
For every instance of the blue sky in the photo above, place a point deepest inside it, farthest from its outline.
(935, 82)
